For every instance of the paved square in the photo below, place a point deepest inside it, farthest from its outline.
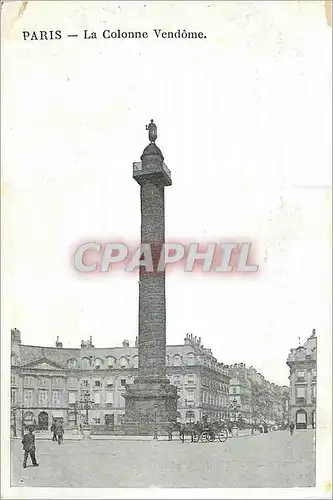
(264, 460)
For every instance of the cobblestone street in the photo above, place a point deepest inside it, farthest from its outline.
(265, 460)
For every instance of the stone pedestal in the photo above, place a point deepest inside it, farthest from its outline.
(150, 408)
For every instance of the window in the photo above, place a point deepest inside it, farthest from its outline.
(109, 398)
(13, 379)
(300, 374)
(72, 382)
(314, 373)
(43, 381)
(191, 379)
(123, 382)
(234, 390)
(190, 395)
(300, 392)
(109, 383)
(177, 361)
(97, 420)
(57, 382)
(123, 362)
(314, 391)
(98, 383)
(111, 362)
(56, 398)
(71, 398)
(28, 381)
(98, 363)
(14, 359)
(190, 359)
(71, 362)
(97, 398)
(85, 364)
(177, 380)
(28, 393)
(13, 396)
(42, 397)
(85, 383)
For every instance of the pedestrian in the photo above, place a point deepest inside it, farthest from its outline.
(29, 448)
(170, 430)
(291, 428)
(53, 430)
(60, 433)
(182, 433)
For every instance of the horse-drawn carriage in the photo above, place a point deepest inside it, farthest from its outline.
(205, 433)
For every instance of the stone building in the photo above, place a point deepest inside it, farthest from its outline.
(302, 363)
(240, 393)
(47, 383)
(253, 398)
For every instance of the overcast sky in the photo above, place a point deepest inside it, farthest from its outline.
(244, 125)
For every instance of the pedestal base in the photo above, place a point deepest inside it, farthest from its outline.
(150, 408)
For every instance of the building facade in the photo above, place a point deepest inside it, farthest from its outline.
(57, 383)
(240, 394)
(302, 363)
(254, 399)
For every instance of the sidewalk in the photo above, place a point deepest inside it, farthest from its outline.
(69, 436)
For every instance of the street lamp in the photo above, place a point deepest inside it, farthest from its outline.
(86, 404)
(234, 408)
(155, 427)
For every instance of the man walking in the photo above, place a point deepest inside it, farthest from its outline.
(53, 430)
(60, 433)
(291, 428)
(29, 448)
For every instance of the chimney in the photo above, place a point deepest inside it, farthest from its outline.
(15, 336)
(58, 344)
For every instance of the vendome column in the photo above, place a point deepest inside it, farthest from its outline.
(151, 402)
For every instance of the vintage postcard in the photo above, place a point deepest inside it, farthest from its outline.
(166, 275)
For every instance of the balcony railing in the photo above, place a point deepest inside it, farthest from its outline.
(137, 166)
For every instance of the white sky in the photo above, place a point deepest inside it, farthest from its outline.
(244, 125)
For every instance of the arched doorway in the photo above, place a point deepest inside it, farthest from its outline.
(43, 421)
(301, 419)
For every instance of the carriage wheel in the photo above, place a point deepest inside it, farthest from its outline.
(211, 436)
(223, 436)
(204, 437)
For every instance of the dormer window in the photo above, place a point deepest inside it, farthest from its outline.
(124, 362)
(98, 363)
(111, 361)
(71, 363)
